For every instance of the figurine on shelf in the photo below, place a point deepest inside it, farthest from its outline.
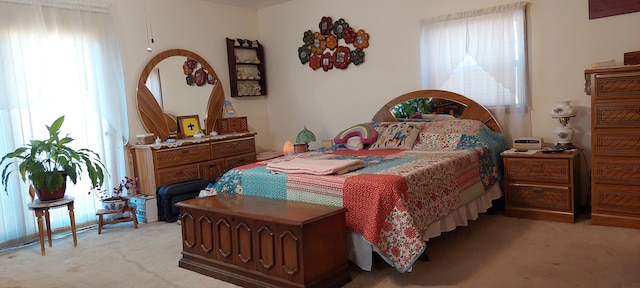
(237, 59)
(254, 44)
(256, 60)
(240, 74)
(257, 76)
(239, 42)
(245, 43)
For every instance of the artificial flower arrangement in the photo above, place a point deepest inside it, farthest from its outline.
(118, 199)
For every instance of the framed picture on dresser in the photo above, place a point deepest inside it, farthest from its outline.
(188, 125)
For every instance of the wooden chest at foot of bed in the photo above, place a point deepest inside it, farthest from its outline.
(262, 242)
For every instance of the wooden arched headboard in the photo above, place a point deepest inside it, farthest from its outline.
(473, 110)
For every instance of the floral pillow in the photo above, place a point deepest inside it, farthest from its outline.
(428, 141)
(396, 135)
(463, 126)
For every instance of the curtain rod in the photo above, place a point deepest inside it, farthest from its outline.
(86, 5)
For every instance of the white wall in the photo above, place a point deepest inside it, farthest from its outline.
(563, 42)
(195, 25)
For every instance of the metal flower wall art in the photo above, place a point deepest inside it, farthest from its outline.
(336, 45)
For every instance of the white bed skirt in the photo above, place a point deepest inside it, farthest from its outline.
(360, 249)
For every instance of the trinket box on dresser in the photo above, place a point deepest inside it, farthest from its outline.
(232, 125)
(632, 58)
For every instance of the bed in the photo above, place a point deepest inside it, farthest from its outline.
(416, 178)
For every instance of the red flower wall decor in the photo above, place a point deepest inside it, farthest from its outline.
(337, 44)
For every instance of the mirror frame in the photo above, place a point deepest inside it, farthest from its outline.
(152, 115)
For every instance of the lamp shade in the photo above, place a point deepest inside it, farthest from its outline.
(305, 136)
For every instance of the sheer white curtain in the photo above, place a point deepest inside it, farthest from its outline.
(481, 54)
(59, 57)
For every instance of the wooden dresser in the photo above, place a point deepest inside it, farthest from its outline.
(615, 145)
(262, 242)
(208, 158)
(542, 186)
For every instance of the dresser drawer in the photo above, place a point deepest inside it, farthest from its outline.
(543, 197)
(177, 174)
(618, 200)
(616, 143)
(624, 171)
(617, 86)
(223, 149)
(537, 170)
(236, 161)
(616, 114)
(182, 155)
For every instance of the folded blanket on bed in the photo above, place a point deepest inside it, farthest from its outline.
(316, 166)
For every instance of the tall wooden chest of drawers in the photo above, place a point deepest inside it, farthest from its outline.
(542, 186)
(156, 166)
(615, 145)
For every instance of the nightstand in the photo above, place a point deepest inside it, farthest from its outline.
(542, 186)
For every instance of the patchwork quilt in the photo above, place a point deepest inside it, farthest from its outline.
(391, 200)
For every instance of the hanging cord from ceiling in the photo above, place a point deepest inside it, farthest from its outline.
(149, 27)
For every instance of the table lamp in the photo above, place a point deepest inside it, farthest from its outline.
(563, 112)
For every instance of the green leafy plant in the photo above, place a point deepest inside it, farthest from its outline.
(412, 107)
(48, 163)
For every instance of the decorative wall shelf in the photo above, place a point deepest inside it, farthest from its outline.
(247, 73)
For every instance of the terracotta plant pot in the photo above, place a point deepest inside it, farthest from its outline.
(46, 195)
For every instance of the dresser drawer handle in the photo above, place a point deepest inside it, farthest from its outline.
(184, 152)
(212, 165)
(536, 166)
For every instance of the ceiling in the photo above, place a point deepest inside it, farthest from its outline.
(257, 4)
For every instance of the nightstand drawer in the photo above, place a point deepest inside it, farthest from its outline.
(544, 197)
(538, 170)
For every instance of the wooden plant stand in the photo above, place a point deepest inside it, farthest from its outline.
(102, 212)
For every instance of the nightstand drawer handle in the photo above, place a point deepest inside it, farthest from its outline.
(538, 191)
(536, 166)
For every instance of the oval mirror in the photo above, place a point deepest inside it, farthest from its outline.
(153, 116)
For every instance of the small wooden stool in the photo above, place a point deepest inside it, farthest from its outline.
(102, 212)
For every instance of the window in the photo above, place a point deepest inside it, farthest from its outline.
(482, 55)
(59, 59)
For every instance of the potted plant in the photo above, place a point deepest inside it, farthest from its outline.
(118, 199)
(49, 162)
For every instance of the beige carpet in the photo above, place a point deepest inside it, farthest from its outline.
(494, 251)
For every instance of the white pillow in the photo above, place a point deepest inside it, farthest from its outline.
(354, 143)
